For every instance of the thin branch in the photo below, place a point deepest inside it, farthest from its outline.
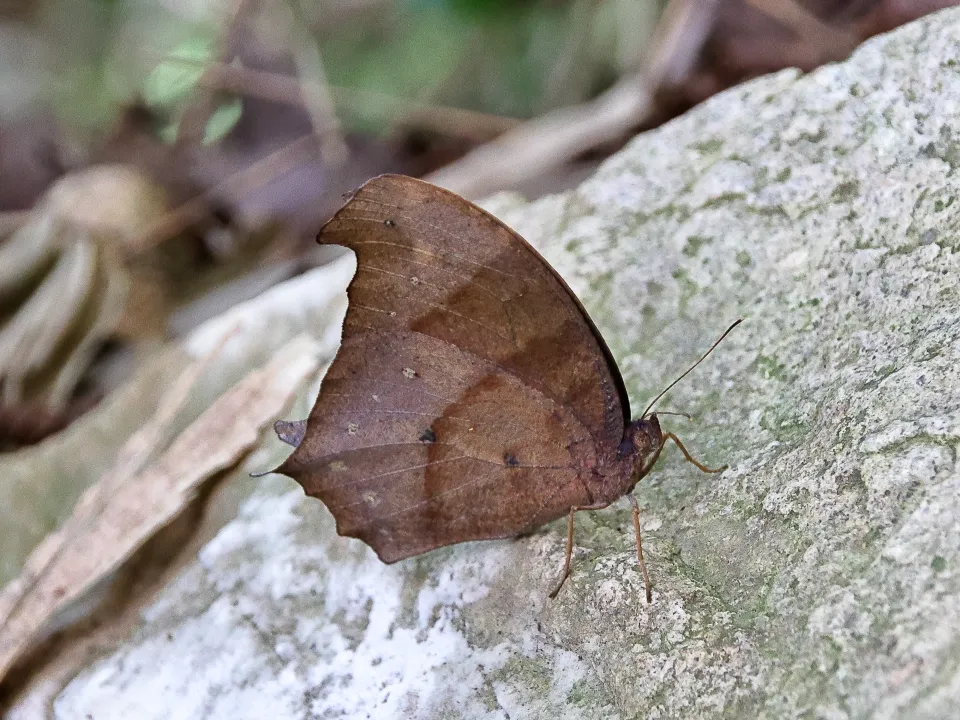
(559, 136)
(275, 87)
(201, 102)
(830, 42)
(239, 184)
(315, 90)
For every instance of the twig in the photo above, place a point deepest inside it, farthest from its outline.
(828, 41)
(239, 184)
(279, 88)
(678, 39)
(202, 102)
(315, 90)
(548, 141)
(557, 137)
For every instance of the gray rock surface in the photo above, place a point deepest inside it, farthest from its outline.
(819, 577)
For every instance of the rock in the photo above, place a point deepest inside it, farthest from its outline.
(818, 577)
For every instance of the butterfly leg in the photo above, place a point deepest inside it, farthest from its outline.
(569, 553)
(647, 467)
(689, 457)
(636, 532)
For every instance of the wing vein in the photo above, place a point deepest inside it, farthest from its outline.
(401, 471)
(527, 382)
(411, 508)
(433, 255)
(361, 411)
(378, 382)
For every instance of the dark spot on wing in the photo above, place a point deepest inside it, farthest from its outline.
(510, 460)
(389, 223)
(428, 436)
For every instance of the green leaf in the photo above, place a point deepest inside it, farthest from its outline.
(172, 80)
(222, 121)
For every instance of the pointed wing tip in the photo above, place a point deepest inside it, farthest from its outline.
(291, 432)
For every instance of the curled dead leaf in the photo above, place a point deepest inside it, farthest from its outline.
(63, 283)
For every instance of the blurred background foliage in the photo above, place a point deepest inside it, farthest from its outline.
(89, 57)
(161, 161)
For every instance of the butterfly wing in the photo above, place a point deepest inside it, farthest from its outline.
(471, 397)
(414, 444)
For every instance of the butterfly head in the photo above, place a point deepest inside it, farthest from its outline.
(642, 437)
(641, 443)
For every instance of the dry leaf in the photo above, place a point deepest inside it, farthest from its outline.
(107, 527)
(64, 285)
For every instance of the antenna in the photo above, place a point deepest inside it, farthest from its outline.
(689, 369)
(688, 416)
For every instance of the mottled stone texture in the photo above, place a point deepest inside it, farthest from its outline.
(819, 577)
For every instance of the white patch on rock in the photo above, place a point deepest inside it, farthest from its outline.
(291, 631)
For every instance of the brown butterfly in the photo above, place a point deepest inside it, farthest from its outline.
(472, 397)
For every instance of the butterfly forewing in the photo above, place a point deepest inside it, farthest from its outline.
(432, 262)
(471, 396)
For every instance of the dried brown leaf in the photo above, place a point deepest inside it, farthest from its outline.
(106, 528)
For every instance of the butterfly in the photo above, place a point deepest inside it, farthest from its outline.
(472, 396)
